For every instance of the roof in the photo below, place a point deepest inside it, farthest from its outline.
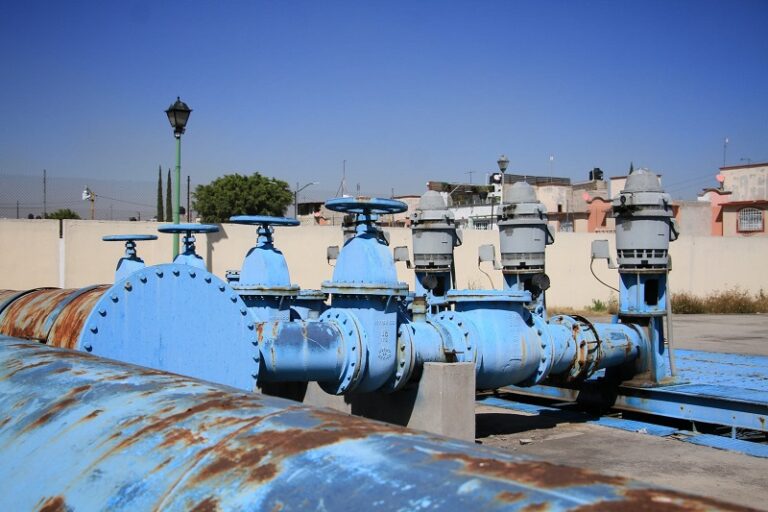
(746, 166)
(756, 202)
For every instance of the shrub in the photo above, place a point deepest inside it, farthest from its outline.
(733, 301)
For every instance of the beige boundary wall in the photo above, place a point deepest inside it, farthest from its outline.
(34, 254)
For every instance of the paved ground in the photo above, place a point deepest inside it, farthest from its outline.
(729, 476)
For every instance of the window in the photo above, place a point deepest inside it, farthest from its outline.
(750, 219)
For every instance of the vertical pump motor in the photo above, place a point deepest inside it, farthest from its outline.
(524, 233)
(644, 224)
(434, 238)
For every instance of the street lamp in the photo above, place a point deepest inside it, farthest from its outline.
(503, 162)
(178, 115)
(89, 195)
(296, 196)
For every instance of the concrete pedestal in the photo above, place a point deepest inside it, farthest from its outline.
(443, 402)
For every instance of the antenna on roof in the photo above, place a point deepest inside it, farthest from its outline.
(342, 190)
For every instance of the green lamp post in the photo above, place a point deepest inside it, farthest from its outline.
(178, 115)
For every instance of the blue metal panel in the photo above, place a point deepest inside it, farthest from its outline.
(93, 434)
(726, 443)
(175, 318)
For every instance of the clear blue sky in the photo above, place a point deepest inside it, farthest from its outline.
(405, 91)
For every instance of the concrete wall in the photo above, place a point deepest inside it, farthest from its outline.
(695, 218)
(33, 255)
(746, 183)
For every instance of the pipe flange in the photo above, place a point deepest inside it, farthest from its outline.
(587, 350)
(547, 353)
(406, 360)
(453, 325)
(354, 339)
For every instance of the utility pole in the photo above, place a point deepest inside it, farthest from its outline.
(45, 198)
(470, 175)
(17, 209)
(188, 214)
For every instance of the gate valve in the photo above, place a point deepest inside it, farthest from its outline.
(367, 212)
(264, 268)
(189, 257)
(130, 262)
(265, 224)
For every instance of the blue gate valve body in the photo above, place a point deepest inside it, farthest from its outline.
(511, 346)
(264, 282)
(130, 262)
(189, 256)
(358, 334)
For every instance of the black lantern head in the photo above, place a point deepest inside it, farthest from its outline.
(178, 115)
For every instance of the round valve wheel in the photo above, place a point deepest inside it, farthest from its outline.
(264, 220)
(127, 238)
(375, 206)
(188, 228)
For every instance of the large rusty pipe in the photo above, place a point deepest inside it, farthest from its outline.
(48, 315)
(78, 432)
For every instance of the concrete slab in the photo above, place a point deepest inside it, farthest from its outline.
(701, 470)
(442, 403)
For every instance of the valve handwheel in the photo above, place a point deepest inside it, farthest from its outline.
(188, 228)
(127, 238)
(264, 220)
(372, 206)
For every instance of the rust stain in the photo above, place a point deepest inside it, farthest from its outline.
(540, 474)
(26, 367)
(26, 316)
(54, 504)
(92, 415)
(209, 504)
(642, 500)
(70, 322)
(180, 435)
(510, 497)
(257, 455)
(535, 507)
(260, 331)
(69, 399)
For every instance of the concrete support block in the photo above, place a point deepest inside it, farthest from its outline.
(442, 403)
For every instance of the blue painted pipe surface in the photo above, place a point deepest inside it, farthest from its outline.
(300, 351)
(79, 432)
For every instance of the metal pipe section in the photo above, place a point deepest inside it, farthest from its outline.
(303, 351)
(87, 433)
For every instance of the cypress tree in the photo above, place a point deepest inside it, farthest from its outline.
(631, 167)
(160, 214)
(168, 202)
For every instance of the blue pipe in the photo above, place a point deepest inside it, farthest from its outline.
(94, 434)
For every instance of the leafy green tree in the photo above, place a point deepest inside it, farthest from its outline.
(160, 214)
(168, 201)
(63, 213)
(234, 194)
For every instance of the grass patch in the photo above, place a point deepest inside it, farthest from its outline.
(733, 301)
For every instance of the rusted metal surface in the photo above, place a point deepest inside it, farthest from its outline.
(28, 316)
(5, 294)
(123, 437)
(69, 323)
